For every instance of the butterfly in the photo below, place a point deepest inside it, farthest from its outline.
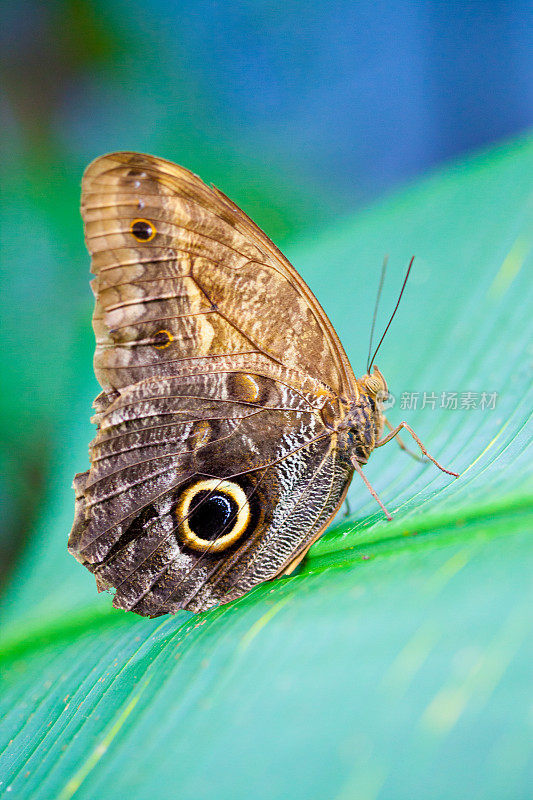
(230, 421)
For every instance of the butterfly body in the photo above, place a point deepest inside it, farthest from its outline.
(230, 421)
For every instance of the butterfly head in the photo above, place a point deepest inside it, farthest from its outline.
(374, 385)
(363, 424)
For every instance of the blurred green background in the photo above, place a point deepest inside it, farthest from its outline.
(396, 664)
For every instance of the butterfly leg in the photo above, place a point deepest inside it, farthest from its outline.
(401, 444)
(395, 431)
(347, 509)
(369, 486)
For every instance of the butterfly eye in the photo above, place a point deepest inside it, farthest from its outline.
(373, 384)
(143, 230)
(213, 515)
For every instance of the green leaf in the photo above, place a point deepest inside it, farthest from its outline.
(396, 664)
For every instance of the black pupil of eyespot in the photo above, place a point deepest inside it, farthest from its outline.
(213, 515)
(161, 338)
(141, 230)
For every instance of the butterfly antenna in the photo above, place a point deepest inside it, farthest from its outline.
(392, 315)
(381, 281)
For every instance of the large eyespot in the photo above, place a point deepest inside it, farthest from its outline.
(143, 230)
(213, 515)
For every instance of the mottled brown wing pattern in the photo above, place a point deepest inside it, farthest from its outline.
(208, 283)
(212, 468)
(161, 436)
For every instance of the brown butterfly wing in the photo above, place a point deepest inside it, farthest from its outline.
(215, 360)
(209, 276)
(161, 436)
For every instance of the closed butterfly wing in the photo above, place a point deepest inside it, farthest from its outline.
(214, 465)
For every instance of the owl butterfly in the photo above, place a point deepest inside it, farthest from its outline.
(230, 421)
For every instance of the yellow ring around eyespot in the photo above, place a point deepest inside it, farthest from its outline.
(170, 339)
(239, 525)
(146, 222)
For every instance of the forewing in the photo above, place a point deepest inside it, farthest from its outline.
(205, 282)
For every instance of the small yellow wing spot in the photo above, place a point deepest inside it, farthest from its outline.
(200, 434)
(164, 338)
(247, 387)
(143, 230)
